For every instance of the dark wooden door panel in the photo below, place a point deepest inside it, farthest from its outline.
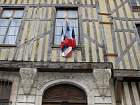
(63, 104)
(64, 94)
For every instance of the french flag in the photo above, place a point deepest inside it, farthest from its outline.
(68, 42)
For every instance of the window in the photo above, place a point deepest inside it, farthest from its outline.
(64, 16)
(10, 22)
(135, 5)
(138, 28)
(133, 2)
(5, 91)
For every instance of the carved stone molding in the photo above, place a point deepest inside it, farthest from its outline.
(102, 77)
(27, 78)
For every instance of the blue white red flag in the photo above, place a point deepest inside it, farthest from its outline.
(62, 35)
(68, 41)
(73, 39)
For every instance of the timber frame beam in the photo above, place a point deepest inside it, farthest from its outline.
(121, 76)
(126, 73)
(48, 5)
(118, 91)
(54, 66)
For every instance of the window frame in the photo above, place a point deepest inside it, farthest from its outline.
(66, 8)
(14, 9)
(133, 3)
(134, 6)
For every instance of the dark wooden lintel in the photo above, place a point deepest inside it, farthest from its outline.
(54, 66)
(111, 55)
(48, 5)
(101, 22)
(101, 13)
(126, 73)
(118, 92)
(136, 8)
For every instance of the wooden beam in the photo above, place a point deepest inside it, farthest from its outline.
(119, 6)
(124, 30)
(126, 73)
(48, 5)
(118, 92)
(125, 18)
(101, 22)
(111, 55)
(136, 8)
(101, 13)
(54, 66)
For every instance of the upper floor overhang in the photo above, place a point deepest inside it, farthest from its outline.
(54, 66)
(81, 67)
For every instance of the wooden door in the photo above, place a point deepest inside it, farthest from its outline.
(64, 94)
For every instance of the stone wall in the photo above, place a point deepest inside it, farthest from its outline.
(43, 80)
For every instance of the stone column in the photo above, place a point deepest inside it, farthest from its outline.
(27, 79)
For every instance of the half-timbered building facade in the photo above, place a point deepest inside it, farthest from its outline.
(101, 66)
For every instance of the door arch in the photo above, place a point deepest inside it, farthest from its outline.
(64, 94)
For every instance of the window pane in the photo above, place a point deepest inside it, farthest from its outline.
(73, 22)
(7, 13)
(10, 40)
(76, 37)
(4, 22)
(18, 14)
(76, 31)
(72, 14)
(13, 30)
(1, 39)
(60, 14)
(58, 30)
(60, 22)
(57, 40)
(133, 2)
(15, 22)
(3, 30)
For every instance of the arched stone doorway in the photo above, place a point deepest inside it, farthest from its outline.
(64, 94)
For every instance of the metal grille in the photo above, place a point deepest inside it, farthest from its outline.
(5, 91)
